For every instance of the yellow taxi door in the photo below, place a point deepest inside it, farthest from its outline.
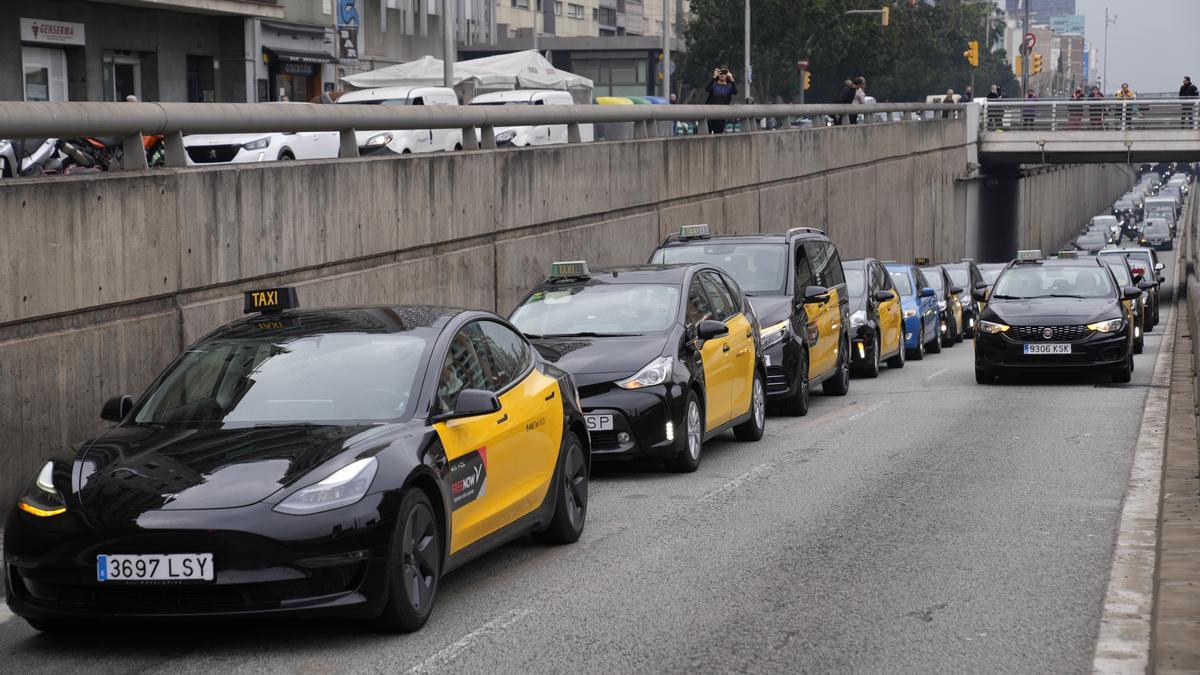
(810, 264)
(740, 381)
(890, 314)
(714, 355)
(500, 464)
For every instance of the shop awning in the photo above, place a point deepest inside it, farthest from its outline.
(298, 57)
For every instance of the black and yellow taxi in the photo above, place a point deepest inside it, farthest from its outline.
(665, 356)
(1055, 315)
(305, 462)
(876, 318)
(966, 275)
(1136, 307)
(949, 298)
(797, 287)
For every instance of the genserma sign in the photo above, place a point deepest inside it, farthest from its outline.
(52, 32)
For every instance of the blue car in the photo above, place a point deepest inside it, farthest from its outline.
(919, 303)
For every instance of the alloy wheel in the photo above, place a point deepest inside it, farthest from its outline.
(420, 557)
(693, 429)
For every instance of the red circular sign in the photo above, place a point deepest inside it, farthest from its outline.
(803, 64)
(1030, 40)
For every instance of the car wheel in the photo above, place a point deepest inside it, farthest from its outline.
(897, 361)
(688, 459)
(839, 384)
(918, 354)
(1139, 344)
(983, 376)
(935, 346)
(414, 565)
(797, 404)
(752, 429)
(871, 370)
(286, 156)
(570, 511)
(958, 333)
(1124, 373)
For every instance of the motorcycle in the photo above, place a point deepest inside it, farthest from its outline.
(25, 156)
(1129, 230)
(98, 153)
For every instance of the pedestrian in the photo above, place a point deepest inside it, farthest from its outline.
(860, 96)
(1126, 95)
(1096, 109)
(995, 114)
(968, 95)
(1075, 111)
(674, 99)
(131, 99)
(844, 97)
(1030, 113)
(721, 90)
(948, 98)
(1188, 91)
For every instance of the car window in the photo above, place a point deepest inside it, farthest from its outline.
(826, 263)
(903, 283)
(804, 271)
(1035, 281)
(464, 366)
(698, 308)
(855, 283)
(507, 354)
(734, 292)
(601, 309)
(885, 278)
(758, 268)
(718, 296)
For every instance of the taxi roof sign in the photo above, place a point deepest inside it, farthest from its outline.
(270, 300)
(695, 231)
(1068, 255)
(920, 261)
(1029, 254)
(568, 269)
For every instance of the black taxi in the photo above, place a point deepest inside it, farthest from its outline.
(797, 286)
(665, 356)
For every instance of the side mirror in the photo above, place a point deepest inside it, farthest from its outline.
(1131, 293)
(709, 329)
(884, 296)
(1158, 267)
(471, 403)
(955, 290)
(979, 294)
(815, 294)
(117, 408)
(1162, 279)
(928, 292)
(981, 284)
(1145, 285)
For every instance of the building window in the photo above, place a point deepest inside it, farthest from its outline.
(557, 7)
(574, 11)
(45, 71)
(521, 4)
(607, 16)
(122, 76)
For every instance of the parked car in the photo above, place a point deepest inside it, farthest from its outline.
(542, 134)
(260, 147)
(405, 141)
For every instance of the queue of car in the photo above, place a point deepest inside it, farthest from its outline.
(338, 462)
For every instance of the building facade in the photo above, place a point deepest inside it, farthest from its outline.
(1040, 10)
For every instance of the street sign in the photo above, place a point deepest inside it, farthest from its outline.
(802, 65)
(1030, 41)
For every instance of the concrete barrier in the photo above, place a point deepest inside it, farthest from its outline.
(105, 278)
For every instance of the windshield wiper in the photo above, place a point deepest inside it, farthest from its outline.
(590, 334)
(998, 296)
(1066, 295)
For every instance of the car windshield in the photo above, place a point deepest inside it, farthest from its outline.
(1040, 281)
(314, 379)
(758, 268)
(959, 276)
(500, 103)
(854, 282)
(1120, 272)
(1104, 221)
(934, 277)
(903, 283)
(1159, 228)
(598, 309)
(379, 101)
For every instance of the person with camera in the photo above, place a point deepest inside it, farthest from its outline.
(721, 91)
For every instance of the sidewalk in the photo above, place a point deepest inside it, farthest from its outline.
(1175, 628)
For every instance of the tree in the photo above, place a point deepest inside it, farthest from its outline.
(918, 54)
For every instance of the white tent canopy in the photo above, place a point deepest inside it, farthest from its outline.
(517, 70)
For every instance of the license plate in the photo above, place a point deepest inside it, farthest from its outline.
(599, 422)
(1048, 349)
(155, 567)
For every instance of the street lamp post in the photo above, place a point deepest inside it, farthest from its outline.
(666, 62)
(1107, 22)
(448, 42)
(746, 73)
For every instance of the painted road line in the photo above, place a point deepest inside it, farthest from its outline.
(868, 410)
(935, 374)
(735, 483)
(446, 656)
(1123, 645)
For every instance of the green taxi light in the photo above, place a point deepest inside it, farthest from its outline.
(268, 300)
(1068, 255)
(1029, 254)
(568, 269)
(695, 231)
(920, 261)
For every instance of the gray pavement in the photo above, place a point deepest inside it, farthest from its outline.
(923, 523)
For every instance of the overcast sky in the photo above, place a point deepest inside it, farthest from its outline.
(1153, 44)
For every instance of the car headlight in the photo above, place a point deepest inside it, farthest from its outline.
(1110, 326)
(773, 334)
(858, 318)
(343, 487)
(260, 144)
(43, 499)
(379, 139)
(910, 313)
(506, 136)
(655, 372)
(992, 328)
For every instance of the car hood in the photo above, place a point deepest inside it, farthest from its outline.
(143, 468)
(223, 139)
(1052, 311)
(593, 360)
(771, 309)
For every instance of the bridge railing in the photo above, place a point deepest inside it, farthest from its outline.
(1090, 115)
(133, 121)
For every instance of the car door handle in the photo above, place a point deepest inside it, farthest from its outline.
(502, 420)
(749, 333)
(725, 348)
(551, 396)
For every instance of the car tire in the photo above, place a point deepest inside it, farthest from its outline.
(958, 333)
(839, 384)
(286, 156)
(1139, 345)
(752, 429)
(796, 405)
(935, 347)
(414, 565)
(570, 508)
(688, 459)
(1124, 374)
(983, 376)
(871, 370)
(897, 361)
(918, 354)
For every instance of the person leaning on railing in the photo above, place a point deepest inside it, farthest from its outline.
(1188, 91)
(1096, 112)
(1127, 95)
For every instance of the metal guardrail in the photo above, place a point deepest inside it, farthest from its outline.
(131, 121)
(1091, 115)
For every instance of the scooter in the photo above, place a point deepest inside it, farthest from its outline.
(25, 156)
(97, 153)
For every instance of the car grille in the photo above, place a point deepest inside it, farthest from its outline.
(604, 440)
(777, 380)
(208, 154)
(1058, 333)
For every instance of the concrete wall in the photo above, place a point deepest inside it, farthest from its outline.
(104, 279)
(1055, 202)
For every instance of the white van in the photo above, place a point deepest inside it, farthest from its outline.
(404, 141)
(542, 134)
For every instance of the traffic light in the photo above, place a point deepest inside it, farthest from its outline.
(885, 15)
(807, 80)
(1017, 64)
(1037, 64)
(972, 53)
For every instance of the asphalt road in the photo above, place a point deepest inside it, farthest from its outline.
(923, 523)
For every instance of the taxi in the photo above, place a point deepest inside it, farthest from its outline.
(666, 356)
(305, 462)
(949, 301)
(1054, 315)
(966, 275)
(876, 320)
(918, 302)
(1143, 261)
(1136, 308)
(796, 285)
